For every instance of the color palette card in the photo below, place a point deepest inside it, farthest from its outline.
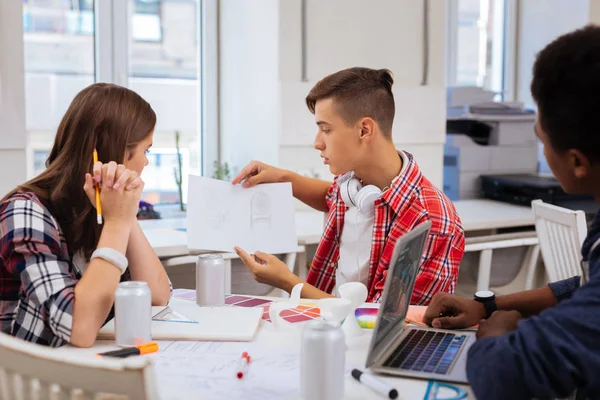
(366, 316)
(301, 313)
(235, 300)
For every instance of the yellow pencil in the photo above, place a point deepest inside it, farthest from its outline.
(98, 205)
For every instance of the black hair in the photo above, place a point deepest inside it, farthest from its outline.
(566, 88)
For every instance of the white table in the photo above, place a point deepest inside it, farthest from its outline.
(276, 340)
(169, 239)
(479, 217)
(482, 214)
(476, 215)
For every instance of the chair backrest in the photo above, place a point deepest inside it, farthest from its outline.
(31, 371)
(561, 233)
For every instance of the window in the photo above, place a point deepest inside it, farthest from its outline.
(58, 43)
(163, 68)
(165, 40)
(162, 52)
(476, 50)
(145, 23)
(159, 176)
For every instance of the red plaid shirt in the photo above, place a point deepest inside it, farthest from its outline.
(410, 201)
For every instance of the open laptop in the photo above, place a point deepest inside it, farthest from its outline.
(409, 351)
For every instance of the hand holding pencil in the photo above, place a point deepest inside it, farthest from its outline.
(113, 190)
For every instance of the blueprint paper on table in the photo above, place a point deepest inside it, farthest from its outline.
(221, 215)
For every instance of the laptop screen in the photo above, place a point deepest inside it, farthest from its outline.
(400, 281)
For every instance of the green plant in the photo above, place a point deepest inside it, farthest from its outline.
(221, 172)
(178, 172)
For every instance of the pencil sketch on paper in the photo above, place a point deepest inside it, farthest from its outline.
(215, 213)
(260, 211)
(221, 216)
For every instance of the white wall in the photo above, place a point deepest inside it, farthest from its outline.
(540, 22)
(263, 115)
(594, 11)
(12, 98)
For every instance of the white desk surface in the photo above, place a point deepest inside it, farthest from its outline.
(477, 214)
(271, 337)
(482, 214)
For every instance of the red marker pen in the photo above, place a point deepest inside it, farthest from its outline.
(243, 365)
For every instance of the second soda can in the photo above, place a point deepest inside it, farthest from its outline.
(210, 280)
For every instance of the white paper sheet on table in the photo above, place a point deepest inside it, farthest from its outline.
(221, 215)
(207, 370)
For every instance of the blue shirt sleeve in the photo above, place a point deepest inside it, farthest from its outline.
(548, 356)
(565, 288)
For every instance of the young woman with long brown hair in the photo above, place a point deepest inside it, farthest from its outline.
(59, 268)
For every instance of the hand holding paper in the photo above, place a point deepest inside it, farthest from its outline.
(258, 172)
(268, 269)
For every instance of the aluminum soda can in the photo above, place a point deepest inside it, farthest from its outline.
(210, 280)
(133, 313)
(322, 359)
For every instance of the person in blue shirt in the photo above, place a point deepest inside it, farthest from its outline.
(545, 343)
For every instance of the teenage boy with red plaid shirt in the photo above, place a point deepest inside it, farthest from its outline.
(378, 195)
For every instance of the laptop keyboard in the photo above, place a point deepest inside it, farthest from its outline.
(426, 351)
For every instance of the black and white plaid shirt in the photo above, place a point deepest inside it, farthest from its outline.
(37, 274)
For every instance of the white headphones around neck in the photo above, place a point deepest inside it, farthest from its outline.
(356, 195)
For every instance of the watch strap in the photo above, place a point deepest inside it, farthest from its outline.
(490, 307)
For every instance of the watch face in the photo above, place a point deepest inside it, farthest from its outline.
(484, 294)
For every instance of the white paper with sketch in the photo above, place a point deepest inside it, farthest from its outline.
(221, 215)
(207, 370)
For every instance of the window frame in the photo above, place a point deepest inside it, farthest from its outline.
(111, 65)
(508, 78)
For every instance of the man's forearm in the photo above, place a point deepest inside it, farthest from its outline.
(310, 191)
(530, 302)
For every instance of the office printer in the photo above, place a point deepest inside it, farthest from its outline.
(485, 137)
(523, 188)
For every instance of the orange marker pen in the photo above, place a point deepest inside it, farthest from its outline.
(141, 349)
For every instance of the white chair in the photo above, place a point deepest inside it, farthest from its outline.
(32, 372)
(485, 245)
(561, 233)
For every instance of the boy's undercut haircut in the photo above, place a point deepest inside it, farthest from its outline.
(358, 93)
(566, 88)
